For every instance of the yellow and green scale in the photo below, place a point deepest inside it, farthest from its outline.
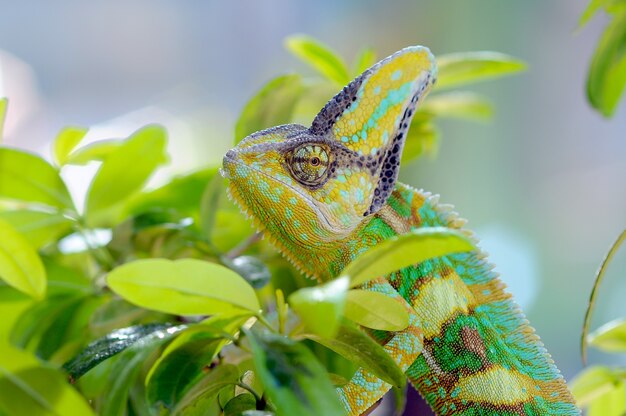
(325, 194)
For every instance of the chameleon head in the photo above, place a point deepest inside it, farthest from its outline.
(311, 186)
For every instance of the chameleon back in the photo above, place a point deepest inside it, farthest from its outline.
(480, 356)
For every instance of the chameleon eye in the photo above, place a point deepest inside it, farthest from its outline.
(309, 163)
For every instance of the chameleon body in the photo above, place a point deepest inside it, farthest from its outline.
(325, 194)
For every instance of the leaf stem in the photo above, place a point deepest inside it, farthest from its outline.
(248, 387)
(594, 292)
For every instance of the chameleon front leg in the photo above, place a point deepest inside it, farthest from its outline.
(365, 389)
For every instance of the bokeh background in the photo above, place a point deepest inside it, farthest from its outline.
(543, 184)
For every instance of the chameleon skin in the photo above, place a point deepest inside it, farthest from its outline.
(324, 195)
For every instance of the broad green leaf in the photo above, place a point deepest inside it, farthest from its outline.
(27, 388)
(124, 172)
(3, 113)
(592, 383)
(238, 404)
(206, 389)
(320, 307)
(257, 413)
(366, 58)
(607, 73)
(182, 193)
(594, 293)
(38, 227)
(610, 337)
(184, 360)
(462, 105)
(293, 378)
(422, 138)
(271, 106)
(375, 310)
(611, 403)
(13, 304)
(27, 177)
(250, 268)
(468, 67)
(114, 343)
(66, 141)
(359, 348)
(405, 250)
(320, 57)
(94, 152)
(209, 205)
(57, 326)
(20, 265)
(125, 373)
(184, 287)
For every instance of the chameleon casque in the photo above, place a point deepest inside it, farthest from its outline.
(325, 194)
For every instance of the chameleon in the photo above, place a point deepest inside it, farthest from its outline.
(327, 193)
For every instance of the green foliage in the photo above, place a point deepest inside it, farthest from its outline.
(404, 250)
(295, 381)
(607, 72)
(66, 141)
(376, 310)
(20, 266)
(602, 389)
(124, 316)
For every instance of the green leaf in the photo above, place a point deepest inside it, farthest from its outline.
(124, 172)
(38, 227)
(94, 152)
(184, 287)
(422, 138)
(592, 383)
(320, 307)
(357, 347)
(594, 5)
(209, 205)
(461, 105)
(250, 268)
(320, 57)
(206, 389)
(594, 293)
(238, 404)
(611, 403)
(184, 360)
(27, 177)
(405, 250)
(66, 141)
(114, 343)
(607, 72)
(293, 378)
(3, 113)
(27, 388)
(126, 370)
(610, 337)
(271, 106)
(375, 310)
(366, 58)
(468, 67)
(20, 265)
(182, 193)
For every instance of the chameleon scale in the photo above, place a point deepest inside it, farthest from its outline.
(325, 194)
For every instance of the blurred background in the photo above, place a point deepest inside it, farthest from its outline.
(543, 184)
